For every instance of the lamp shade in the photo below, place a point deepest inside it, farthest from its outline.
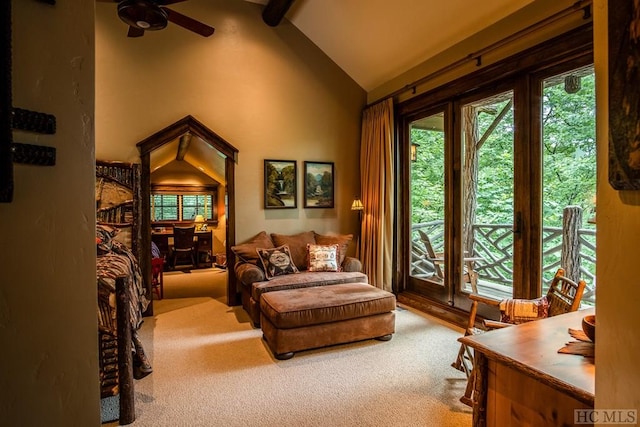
(200, 224)
(357, 205)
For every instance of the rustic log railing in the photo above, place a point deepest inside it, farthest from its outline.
(569, 246)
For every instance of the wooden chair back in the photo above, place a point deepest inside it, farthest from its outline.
(431, 254)
(183, 238)
(564, 294)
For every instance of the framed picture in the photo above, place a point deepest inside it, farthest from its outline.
(280, 188)
(318, 184)
(624, 99)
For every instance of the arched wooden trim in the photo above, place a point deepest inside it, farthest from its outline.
(181, 127)
(186, 125)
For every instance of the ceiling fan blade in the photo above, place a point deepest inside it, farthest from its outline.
(158, 2)
(188, 23)
(166, 2)
(135, 32)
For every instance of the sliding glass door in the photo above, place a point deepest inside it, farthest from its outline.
(427, 142)
(488, 195)
(500, 179)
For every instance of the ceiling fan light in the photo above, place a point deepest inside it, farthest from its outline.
(142, 14)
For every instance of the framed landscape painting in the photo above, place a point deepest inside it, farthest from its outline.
(280, 190)
(318, 184)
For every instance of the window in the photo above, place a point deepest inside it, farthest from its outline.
(196, 204)
(164, 207)
(183, 203)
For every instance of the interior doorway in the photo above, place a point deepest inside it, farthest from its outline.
(182, 131)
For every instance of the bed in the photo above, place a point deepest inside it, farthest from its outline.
(115, 260)
(120, 283)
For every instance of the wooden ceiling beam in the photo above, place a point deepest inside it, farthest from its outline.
(275, 10)
(183, 146)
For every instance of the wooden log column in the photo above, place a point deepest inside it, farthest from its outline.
(570, 258)
(125, 359)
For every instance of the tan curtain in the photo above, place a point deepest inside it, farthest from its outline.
(376, 176)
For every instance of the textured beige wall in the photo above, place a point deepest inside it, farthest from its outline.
(267, 91)
(618, 235)
(48, 326)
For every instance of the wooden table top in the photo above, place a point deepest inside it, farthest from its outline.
(532, 348)
(169, 233)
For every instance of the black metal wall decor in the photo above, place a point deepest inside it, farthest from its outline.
(6, 164)
(18, 118)
(33, 121)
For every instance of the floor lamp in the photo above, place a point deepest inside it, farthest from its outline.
(358, 206)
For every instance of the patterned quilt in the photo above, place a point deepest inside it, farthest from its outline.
(114, 260)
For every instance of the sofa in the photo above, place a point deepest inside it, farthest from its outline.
(268, 263)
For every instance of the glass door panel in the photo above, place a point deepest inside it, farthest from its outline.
(427, 200)
(488, 196)
(569, 177)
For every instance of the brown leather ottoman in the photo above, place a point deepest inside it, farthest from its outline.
(305, 318)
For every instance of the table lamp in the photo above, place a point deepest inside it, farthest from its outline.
(200, 224)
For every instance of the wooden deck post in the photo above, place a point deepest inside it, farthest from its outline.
(570, 257)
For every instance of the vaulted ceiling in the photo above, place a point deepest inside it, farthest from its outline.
(374, 41)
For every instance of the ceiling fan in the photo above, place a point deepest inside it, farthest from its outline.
(153, 15)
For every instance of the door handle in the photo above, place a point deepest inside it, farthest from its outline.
(517, 223)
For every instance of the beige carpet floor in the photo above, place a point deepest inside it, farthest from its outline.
(212, 368)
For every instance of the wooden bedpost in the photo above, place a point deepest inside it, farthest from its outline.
(125, 359)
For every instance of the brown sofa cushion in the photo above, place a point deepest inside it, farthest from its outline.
(305, 279)
(247, 252)
(325, 304)
(341, 239)
(297, 244)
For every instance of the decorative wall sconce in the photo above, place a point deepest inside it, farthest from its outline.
(358, 207)
(414, 151)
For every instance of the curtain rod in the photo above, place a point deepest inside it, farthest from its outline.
(583, 5)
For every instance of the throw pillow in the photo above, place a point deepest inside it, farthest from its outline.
(341, 239)
(516, 311)
(246, 252)
(323, 257)
(298, 246)
(276, 261)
